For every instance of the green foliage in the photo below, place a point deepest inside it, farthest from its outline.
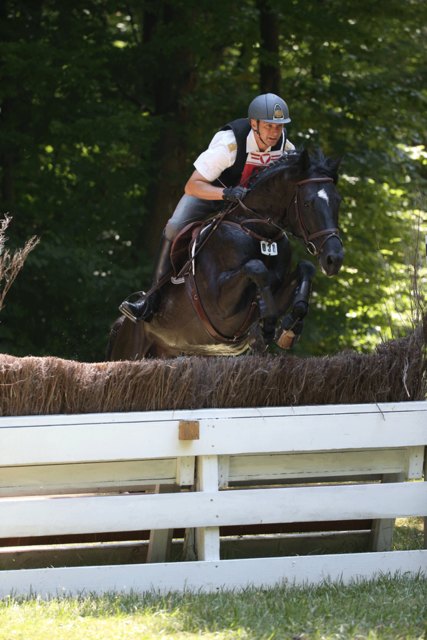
(104, 107)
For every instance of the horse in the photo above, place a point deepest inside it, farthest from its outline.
(237, 281)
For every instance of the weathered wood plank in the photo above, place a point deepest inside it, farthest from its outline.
(278, 466)
(43, 441)
(56, 516)
(211, 576)
(87, 477)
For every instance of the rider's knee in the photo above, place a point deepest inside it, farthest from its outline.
(171, 230)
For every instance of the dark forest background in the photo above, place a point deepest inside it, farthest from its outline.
(105, 105)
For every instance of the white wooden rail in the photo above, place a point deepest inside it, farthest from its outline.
(75, 475)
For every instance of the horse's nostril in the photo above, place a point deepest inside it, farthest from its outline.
(333, 262)
(334, 258)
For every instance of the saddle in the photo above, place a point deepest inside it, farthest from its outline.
(182, 247)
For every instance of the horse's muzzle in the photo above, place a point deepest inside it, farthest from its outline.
(331, 257)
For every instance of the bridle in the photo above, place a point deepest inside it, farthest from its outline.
(311, 240)
(314, 242)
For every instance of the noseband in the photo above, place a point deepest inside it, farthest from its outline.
(311, 239)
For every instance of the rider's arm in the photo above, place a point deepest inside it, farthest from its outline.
(199, 187)
(210, 164)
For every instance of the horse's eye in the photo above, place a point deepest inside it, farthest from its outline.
(306, 204)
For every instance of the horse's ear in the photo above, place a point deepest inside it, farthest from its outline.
(305, 160)
(333, 165)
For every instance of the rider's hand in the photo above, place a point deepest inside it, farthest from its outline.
(234, 194)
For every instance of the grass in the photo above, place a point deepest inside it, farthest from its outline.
(408, 534)
(389, 608)
(382, 609)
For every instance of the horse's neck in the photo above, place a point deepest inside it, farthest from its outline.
(270, 199)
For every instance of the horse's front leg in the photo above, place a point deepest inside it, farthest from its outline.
(233, 286)
(298, 303)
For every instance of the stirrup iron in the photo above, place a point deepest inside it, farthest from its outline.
(125, 311)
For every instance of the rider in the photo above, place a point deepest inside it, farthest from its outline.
(221, 173)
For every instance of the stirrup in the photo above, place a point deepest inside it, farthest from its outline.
(149, 305)
(126, 312)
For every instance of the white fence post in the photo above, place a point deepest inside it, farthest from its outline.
(207, 538)
(425, 480)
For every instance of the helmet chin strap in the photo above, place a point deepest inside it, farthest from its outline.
(259, 135)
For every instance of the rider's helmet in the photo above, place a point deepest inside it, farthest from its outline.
(269, 108)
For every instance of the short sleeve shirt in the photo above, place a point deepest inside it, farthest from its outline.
(221, 153)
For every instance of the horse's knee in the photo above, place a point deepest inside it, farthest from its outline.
(257, 271)
(306, 270)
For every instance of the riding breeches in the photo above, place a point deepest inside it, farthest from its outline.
(190, 209)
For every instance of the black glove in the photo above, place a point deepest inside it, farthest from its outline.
(234, 194)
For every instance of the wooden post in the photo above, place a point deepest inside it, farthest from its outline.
(207, 538)
(425, 480)
(382, 530)
(160, 539)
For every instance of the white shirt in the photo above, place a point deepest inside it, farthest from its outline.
(222, 151)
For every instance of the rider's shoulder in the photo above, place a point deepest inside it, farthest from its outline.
(225, 139)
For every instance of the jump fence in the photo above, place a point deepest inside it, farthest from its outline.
(209, 499)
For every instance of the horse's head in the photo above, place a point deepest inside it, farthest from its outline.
(312, 213)
(306, 185)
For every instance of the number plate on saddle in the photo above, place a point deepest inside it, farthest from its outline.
(268, 248)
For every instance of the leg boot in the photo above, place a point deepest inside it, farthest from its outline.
(146, 307)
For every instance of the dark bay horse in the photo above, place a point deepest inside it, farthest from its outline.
(238, 274)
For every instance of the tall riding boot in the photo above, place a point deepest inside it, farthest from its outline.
(146, 307)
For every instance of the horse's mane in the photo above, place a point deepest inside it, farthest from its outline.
(300, 164)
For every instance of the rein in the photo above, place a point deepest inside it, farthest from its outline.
(253, 234)
(259, 218)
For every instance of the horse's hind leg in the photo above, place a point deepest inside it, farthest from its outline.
(127, 341)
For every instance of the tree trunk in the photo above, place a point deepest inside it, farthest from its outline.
(175, 79)
(7, 163)
(269, 70)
